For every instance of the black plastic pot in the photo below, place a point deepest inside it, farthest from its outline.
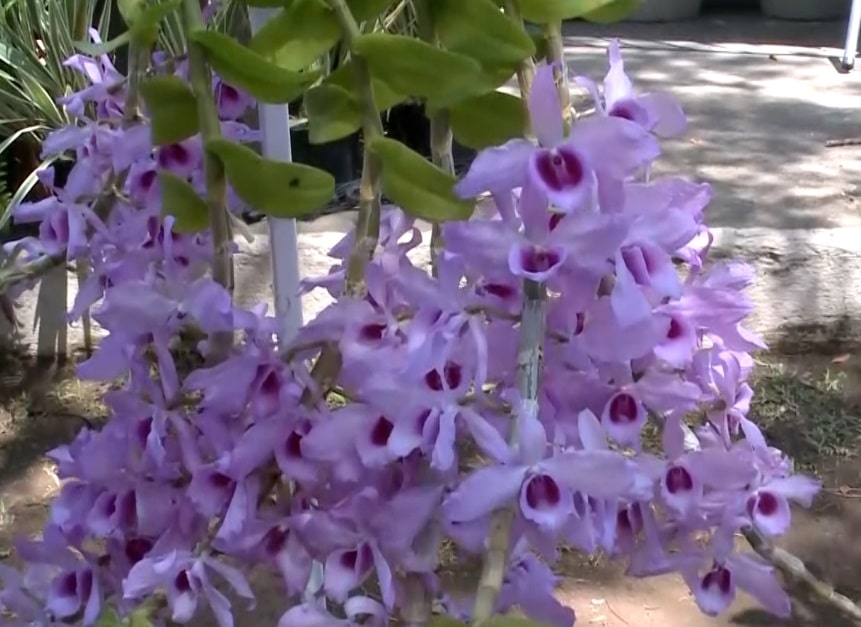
(409, 124)
(338, 158)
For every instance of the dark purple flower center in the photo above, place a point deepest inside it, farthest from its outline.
(676, 330)
(765, 503)
(228, 93)
(270, 384)
(174, 154)
(137, 548)
(499, 290)
(623, 110)
(542, 492)
(580, 323)
(630, 519)
(623, 409)
(382, 430)
(144, 428)
(372, 332)
(293, 445)
(630, 109)
(110, 506)
(182, 582)
(275, 540)
(559, 169)
(536, 260)
(359, 559)
(349, 559)
(678, 479)
(147, 179)
(453, 377)
(220, 480)
(69, 585)
(720, 578)
(555, 219)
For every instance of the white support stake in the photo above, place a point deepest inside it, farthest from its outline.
(850, 48)
(283, 242)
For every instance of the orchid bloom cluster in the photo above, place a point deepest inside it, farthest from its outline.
(116, 163)
(194, 481)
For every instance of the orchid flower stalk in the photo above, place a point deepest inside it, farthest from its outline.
(200, 78)
(526, 68)
(368, 222)
(440, 129)
(556, 58)
(532, 333)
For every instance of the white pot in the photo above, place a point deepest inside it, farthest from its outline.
(666, 10)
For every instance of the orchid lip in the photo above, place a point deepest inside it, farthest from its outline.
(560, 169)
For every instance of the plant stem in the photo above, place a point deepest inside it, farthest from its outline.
(417, 608)
(526, 69)
(556, 56)
(440, 128)
(528, 377)
(368, 221)
(328, 364)
(216, 183)
(794, 569)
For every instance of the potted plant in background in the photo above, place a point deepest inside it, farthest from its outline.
(808, 10)
(35, 39)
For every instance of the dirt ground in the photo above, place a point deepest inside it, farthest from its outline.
(810, 405)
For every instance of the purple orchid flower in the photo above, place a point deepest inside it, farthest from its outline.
(564, 171)
(656, 112)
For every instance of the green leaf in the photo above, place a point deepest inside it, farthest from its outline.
(333, 113)
(266, 4)
(478, 29)
(416, 185)
(299, 34)
(488, 120)
(172, 108)
(547, 11)
(96, 50)
(109, 618)
(145, 26)
(130, 10)
(613, 12)
(367, 9)
(247, 70)
(180, 200)
(445, 621)
(141, 617)
(276, 188)
(384, 95)
(511, 621)
(413, 67)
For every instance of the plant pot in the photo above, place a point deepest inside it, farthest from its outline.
(338, 158)
(409, 124)
(666, 11)
(806, 10)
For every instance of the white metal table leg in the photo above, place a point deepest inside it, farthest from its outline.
(851, 47)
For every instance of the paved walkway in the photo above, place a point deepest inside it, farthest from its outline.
(762, 98)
